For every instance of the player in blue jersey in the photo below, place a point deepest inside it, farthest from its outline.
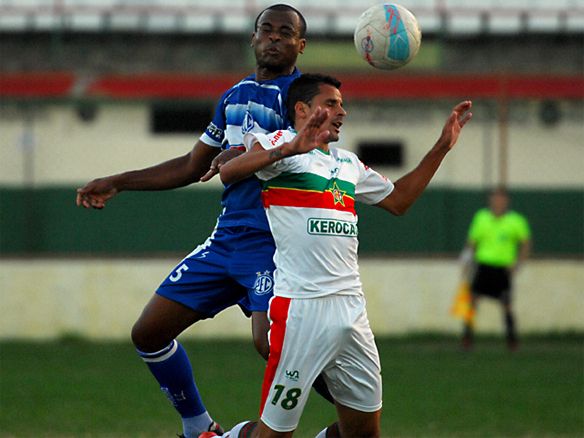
(234, 265)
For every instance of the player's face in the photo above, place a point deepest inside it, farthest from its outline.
(330, 98)
(277, 41)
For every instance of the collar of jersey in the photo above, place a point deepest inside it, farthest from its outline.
(291, 129)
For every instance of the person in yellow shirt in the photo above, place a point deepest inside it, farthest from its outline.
(498, 242)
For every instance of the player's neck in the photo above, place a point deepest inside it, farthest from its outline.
(266, 74)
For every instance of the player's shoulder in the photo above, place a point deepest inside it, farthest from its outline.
(276, 84)
(344, 155)
(483, 214)
(516, 216)
(240, 86)
(281, 136)
(270, 139)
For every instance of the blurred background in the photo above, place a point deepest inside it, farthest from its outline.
(89, 88)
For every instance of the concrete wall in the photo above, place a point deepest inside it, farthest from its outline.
(47, 298)
(50, 145)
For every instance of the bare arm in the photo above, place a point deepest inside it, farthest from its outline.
(524, 252)
(219, 161)
(467, 260)
(170, 174)
(409, 187)
(308, 138)
(250, 162)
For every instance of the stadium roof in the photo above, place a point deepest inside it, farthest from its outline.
(329, 17)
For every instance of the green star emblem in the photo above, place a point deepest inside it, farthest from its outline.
(338, 194)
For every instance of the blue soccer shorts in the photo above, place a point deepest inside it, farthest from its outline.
(235, 265)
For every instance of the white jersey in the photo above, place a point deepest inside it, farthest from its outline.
(310, 205)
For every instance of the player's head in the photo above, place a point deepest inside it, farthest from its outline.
(498, 200)
(311, 91)
(278, 37)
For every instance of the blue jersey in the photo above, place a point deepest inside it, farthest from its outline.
(248, 106)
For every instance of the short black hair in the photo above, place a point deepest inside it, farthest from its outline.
(304, 88)
(285, 8)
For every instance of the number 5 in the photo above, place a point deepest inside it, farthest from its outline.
(178, 273)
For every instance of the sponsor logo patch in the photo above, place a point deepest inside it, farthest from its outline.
(276, 137)
(293, 375)
(331, 227)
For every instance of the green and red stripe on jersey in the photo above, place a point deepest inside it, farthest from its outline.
(309, 190)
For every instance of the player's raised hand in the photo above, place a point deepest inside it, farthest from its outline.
(95, 193)
(312, 134)
(459, 116)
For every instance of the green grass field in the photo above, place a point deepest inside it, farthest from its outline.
(74, 388)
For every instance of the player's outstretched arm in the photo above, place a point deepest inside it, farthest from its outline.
(219, 161)
(409, 187)
(309, 137)
(171, 174)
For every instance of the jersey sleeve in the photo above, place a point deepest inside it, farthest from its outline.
(214, 135)
(523, 229)
(371, 187)
(474, 229)
(271, 141)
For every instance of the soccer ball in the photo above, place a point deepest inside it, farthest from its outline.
(387, 36)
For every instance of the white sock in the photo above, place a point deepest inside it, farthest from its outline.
(322, 433)
(194, 426)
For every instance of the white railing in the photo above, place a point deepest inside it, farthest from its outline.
(324, 16)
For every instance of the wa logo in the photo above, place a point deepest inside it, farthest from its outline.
(264, 283)
(293, 375)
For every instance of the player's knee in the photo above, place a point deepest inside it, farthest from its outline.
(147, 340)
(363, 431)
(138, 338)
(355, 424)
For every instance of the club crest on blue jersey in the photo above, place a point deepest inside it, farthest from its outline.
(248, 123)
(264, 283)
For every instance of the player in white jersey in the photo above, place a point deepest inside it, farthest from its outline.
(318, 317)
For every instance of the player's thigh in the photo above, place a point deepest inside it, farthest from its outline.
(301, 345)
(354, 378)
(252, 266)
(202, 282)
(357, 424)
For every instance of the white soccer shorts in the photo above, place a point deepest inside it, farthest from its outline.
(309, 336)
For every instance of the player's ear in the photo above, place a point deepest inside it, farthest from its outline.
(253, 38)
(301, 110)
(302, 45)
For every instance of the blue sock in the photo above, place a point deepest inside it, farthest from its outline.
(171, 367)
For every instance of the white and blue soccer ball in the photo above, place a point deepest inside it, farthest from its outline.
(387, 36)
